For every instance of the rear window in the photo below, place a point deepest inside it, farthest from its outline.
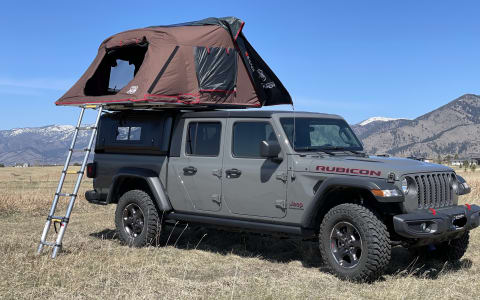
(118, 67)
(134, 133)
(216, 68)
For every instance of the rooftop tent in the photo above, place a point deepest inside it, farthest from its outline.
(207, 62)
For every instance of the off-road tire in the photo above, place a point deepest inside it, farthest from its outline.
(375, 243)
(454, 250)
(151, 222)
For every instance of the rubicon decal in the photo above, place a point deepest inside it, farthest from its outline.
(343, 170)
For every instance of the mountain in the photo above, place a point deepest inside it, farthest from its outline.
(377, 119)
(376, 124)
(453, 128)
(40, 145)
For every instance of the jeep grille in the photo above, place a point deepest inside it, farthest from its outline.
(434, 190)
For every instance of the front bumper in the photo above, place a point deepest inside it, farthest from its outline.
(438, 223)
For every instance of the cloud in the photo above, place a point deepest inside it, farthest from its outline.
(53, 84)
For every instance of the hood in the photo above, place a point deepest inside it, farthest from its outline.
(372, 166)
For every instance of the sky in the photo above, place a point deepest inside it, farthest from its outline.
(358, 59)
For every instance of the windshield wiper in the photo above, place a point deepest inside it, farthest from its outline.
(315, 149)
(338, 148)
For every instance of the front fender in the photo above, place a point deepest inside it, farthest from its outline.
(362, 183)
(151, 179)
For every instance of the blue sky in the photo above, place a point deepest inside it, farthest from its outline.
(355, 58)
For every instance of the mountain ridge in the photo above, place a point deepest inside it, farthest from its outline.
(453, 128)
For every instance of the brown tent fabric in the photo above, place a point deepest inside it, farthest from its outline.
(207, 62)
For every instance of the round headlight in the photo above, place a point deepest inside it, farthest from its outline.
(405, 186)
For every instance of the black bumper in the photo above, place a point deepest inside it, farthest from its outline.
(94, 198)
(438, 223)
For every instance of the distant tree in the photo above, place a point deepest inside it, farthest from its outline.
(2, 166)
(456, 156)
(439, 159)
(465, 165)
(473, 167)
(448, 159)
(77, 164)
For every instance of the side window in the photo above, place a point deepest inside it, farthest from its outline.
(203, 138)
(247, 137)
(129, 133)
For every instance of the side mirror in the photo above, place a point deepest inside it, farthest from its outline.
(270, 150)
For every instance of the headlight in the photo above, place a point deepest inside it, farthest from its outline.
(405, 186)
(454, 184)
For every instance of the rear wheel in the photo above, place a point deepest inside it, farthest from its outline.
(354, 243)
(136, 219)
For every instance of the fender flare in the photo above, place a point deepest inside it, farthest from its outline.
(361, 183)
(152, 180)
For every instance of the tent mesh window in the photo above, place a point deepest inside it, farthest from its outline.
(216, 69)
(118, 67)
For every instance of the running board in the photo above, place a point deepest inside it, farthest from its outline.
(236, 223)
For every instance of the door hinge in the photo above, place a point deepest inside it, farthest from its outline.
(282, 176)
(281, 204)
(217, 198)
(217, 173)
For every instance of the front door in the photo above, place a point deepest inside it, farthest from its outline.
(200, 165)
(252, 185)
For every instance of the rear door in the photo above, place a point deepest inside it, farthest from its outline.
(252, 185)
(199, 165)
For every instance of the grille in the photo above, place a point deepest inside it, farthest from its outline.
(434, 190)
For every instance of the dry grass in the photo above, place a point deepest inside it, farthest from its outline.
(224, 265)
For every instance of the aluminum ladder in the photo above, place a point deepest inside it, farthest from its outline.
(63, 221)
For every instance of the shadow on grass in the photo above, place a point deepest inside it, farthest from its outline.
(283, 250)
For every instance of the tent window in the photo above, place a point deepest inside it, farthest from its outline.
(216, 69)
(118, 67)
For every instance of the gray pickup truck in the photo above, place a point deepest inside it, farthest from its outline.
(288, 173)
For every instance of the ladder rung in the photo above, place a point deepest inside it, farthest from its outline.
(48, 244)
(87, 127)
(65, 195)
(80, 150)
(73, 172)
(58, 219)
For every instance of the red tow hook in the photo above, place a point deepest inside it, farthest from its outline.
(434, 212)
(469, 207)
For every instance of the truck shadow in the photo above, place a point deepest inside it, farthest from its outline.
(283, 250)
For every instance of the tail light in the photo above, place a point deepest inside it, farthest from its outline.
(91, 170)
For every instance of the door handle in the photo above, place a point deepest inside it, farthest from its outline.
(233, 173)
(190, 170)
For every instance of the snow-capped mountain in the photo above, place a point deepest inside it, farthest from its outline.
(378, 119)
(39, 145)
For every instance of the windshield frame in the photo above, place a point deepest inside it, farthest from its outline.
(326, 121)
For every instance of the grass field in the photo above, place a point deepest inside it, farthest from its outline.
(196, 263)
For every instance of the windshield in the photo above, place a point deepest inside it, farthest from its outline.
(316, 134)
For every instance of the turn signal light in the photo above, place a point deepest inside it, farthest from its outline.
(386, 193)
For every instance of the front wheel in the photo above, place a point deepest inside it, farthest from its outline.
(136, 219)
(354, 243)
(454, 250)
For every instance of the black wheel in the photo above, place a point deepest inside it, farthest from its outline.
(454, 250)
(136, 219)
(354, 243)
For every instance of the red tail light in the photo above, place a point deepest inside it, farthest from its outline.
(91, 170)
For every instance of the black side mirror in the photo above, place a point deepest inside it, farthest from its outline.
(270, 150)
